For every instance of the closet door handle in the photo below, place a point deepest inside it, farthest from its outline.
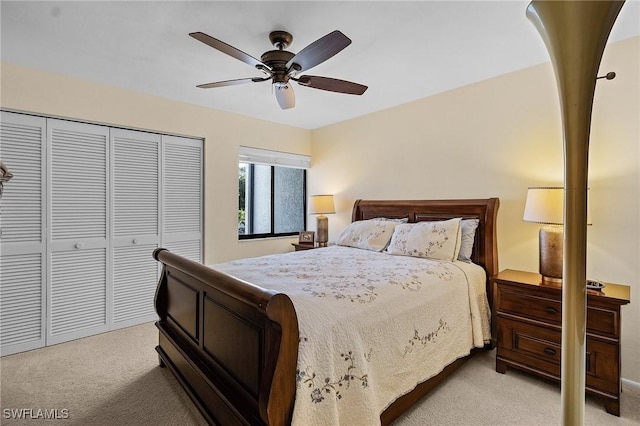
(135, 241)
(551, 310)
(78, 246)
(549, 351)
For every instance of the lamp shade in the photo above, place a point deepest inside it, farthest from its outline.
(545, 205)
(321, 204)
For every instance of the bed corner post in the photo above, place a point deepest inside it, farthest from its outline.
(160, 299)
(277, 395)
(492, 221)
(355, 212)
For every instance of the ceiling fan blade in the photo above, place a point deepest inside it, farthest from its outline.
(332, 84)
(319, 51)
(231, 82)
(285, 96)
(225, 48)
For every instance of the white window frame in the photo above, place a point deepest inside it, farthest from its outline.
(265, 157)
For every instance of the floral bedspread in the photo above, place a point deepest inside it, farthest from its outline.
(372, 325)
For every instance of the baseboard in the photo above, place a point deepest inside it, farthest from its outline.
(631, 383)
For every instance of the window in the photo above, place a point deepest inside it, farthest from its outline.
(271, 193)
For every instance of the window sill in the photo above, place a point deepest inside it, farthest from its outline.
(284, 237)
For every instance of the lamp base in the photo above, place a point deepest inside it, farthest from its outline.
(551, 281)
(323, 230)
(551, 238)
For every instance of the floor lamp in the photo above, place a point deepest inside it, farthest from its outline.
(575, 34)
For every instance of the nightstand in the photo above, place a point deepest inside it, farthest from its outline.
(527, 323)
(304, 246)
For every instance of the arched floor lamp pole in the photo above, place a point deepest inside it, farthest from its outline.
(575, 34)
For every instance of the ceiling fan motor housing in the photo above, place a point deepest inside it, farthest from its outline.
(277, 61)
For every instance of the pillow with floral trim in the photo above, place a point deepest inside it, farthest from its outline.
(367, 234)
(467, 238)
(438, 240)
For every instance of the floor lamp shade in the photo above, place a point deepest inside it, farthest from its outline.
(321, 205)
(545, 205)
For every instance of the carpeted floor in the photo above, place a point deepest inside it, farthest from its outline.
(114, 379)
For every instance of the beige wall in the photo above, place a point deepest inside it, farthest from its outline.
(28, 90)
(493, 138)
(496, 138)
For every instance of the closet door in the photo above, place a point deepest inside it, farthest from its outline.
(136, 225)
(22, 239)
(78, 247)
(182, 196)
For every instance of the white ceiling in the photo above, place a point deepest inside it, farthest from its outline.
(402, 50)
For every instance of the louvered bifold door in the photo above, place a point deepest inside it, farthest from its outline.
(22, 239)
(182, 196)
(78, 230)
(136, 225)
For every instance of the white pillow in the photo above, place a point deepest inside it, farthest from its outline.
(434, 240)
(367, 234)
(468, 235)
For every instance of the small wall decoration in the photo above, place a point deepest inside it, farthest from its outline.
(306, 237)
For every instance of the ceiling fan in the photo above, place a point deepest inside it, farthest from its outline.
(281, 66)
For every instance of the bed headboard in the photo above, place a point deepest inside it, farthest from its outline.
(485, 248)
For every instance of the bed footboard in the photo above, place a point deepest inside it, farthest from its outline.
(233, 346)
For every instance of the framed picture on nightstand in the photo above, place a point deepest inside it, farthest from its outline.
(306, 237)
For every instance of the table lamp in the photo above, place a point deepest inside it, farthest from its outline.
(321, 205)
(545, 205)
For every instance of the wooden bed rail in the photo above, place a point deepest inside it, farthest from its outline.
(235, 287)
(213, 325)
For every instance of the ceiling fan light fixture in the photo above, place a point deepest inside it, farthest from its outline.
(284, 95)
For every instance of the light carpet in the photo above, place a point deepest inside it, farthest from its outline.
(114, 379)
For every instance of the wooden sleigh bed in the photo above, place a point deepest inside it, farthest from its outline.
(233, 346)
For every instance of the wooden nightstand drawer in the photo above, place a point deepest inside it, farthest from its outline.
(530, 345)
(512, 301)
(547, 308)
(534, 346)
(603, 321)
(540, 349)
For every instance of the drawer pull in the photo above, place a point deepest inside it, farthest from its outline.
(551, 310)
(549, 351)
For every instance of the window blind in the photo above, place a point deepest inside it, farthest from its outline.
(273, 158)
